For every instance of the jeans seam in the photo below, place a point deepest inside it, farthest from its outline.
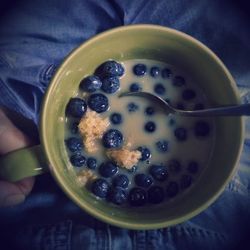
(133, 239)
(109, 238)
(140, 240)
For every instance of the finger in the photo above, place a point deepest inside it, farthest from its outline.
(11, 138)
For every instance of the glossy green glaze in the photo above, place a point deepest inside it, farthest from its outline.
(158, 43)
(23, 163)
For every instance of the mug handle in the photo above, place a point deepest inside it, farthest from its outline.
(23, 163)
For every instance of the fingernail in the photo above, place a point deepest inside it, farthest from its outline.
(13, 200)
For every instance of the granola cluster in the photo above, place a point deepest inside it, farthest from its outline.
(92, 127)
(85, 176)
(124, 157)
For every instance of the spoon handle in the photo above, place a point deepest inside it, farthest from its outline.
(237, 110)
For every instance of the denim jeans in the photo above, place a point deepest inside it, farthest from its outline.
(35, 36)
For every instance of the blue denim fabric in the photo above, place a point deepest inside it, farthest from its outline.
(34, 38)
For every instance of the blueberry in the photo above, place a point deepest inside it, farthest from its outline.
(91, 163)
(133, 169)
(100, 188)
(155, 71)
(172, 189)
(137, 197)
(186, 181)
(150, 126)
(135, 87)
(76, 107)
(74, 128)
(166, 73)
(116, 118)
(132, 107)
(180, 134)
(110, 84)
(140, 69)
(143, 180)
(121, 180)
(180, 106)
(174, 166)
(188, 94)
(159, 172)
(155, 194)
(77, 160)
(74, 144)
(193, 167)
(179, 81)
(145, 153)
(159, 89)
(149, 111)
(162, 146)
(110, 68)
(112, 138)
(90, 83)
(198, 106)
(201, 129)
(108, 169)
(117, 196)
(98, 102)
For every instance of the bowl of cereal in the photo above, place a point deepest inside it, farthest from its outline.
(123, 160)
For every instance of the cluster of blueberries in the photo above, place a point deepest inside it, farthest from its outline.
(146, 191)
(113, 186)
(106, 79)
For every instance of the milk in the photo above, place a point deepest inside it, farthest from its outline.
(132, 127)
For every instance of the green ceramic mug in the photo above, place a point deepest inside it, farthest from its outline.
(137, 41)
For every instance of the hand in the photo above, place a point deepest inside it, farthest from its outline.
(11, 138)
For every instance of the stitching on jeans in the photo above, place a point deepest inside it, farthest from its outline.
(140, 240)
(109, 243)
(134, 239)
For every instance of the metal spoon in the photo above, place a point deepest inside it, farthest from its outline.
(234, 110)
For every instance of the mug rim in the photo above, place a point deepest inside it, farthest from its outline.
(71, 194)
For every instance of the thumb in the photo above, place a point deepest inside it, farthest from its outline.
(11, 138)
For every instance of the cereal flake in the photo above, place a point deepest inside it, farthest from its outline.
(124, 157)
